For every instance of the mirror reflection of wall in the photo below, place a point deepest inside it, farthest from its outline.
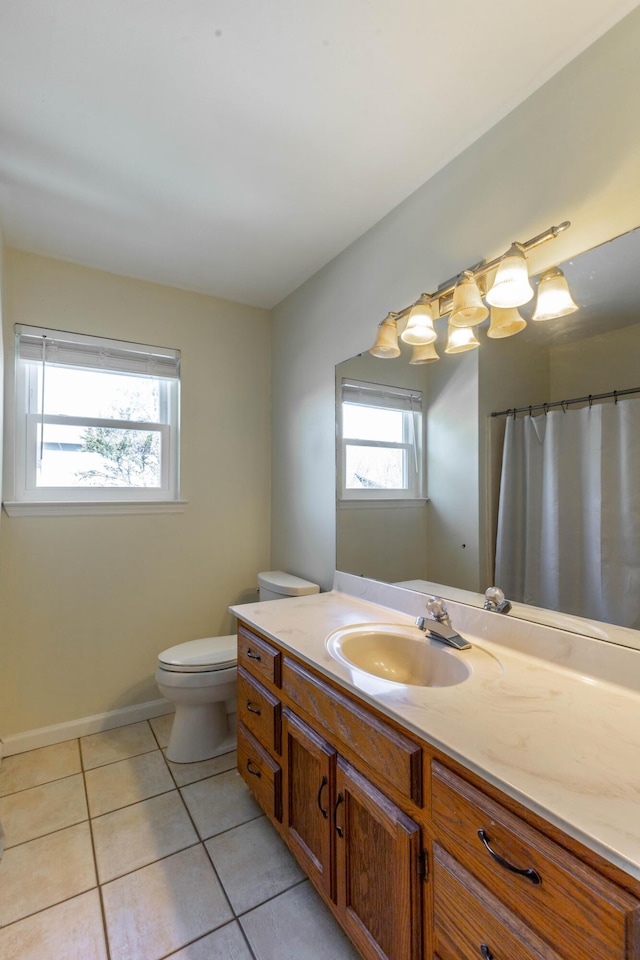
(450, 538)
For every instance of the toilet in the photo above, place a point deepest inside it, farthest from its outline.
(199, 677)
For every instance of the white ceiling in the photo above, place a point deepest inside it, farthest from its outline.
(235, 146)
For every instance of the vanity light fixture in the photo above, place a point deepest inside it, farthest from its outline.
(511, 287)
(554, 296)
(419, 329)
(386, 345)
(505, 322)
(460, 339)
(424, 353)
(468, 309)
(462, 299)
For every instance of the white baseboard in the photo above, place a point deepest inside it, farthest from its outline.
(45, 736)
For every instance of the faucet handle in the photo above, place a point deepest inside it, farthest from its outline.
(494, 600)
(437, 608)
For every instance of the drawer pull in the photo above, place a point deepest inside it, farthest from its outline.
(253, 709)
(486, 953)
(325, 813)
(527, 872)
(253, 770)
(253, 656)
(339, 830)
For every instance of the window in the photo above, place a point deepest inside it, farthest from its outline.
(380, 443)
(96, 419)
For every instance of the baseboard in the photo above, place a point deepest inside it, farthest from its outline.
(45, 736)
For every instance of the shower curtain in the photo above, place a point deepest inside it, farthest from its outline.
(569, 517)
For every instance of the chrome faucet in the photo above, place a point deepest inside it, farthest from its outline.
(495, 601)
(440, 627)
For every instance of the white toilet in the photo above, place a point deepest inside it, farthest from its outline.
(199, 677)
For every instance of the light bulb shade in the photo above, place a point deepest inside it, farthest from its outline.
(460, 339)
(424, 353)
(505, 323)
(468, 309)
(554, 296)
(419, 329)
(511, 287)
(386, 345)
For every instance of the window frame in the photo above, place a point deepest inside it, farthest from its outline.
(413, 446)
(26, 492)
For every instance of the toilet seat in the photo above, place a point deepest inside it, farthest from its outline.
(209, 654)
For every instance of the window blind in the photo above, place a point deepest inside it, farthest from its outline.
(35, 344)
(379, 395)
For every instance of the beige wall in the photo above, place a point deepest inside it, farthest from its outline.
(86, 603)
(571, 151)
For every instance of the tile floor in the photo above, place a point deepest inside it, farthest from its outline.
(114, 853)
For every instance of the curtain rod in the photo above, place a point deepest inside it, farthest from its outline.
(563, 403)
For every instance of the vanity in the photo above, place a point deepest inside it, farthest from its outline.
(496, 816)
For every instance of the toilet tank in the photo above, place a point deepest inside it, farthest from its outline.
(276, 584)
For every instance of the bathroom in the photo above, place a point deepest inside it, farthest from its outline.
(87, 602)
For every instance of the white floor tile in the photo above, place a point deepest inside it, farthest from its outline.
(253, 864)
(164, 906)
(117, 744)
(219, 803)
(40, 810)
(30, 769)
(72, 930)
(162, 728)
(43, 872)
(227, 943)
(296, 926)
(128, 781)
(184, 773)
(134, 836)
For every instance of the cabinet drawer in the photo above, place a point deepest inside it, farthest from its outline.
(259, 657)
(259, 711)
(262, 775)
(469, 923)
(380, 747)
(578, 912)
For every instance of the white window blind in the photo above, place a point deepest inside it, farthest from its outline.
(375, 395)
(96, 353)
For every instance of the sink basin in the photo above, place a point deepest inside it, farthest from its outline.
(398, 654)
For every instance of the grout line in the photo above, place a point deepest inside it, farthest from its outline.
(110, 763)
(189, 846)
(95, 862)
(45, 783)
(297, 883)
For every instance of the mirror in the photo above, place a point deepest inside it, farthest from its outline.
(444, 541)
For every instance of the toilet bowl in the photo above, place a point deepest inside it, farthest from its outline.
(199, 677)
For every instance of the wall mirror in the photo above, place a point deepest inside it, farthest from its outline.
(451, 532)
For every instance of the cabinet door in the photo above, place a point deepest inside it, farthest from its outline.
(377, 868)
(309, 764)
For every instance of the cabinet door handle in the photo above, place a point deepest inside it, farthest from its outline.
(253, 709)
(527, 872)
(339, 830)
(253, 769)
(325, 813)
(253, 656)
(486, 953)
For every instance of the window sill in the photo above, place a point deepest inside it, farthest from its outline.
(91, 508)
(380, 502)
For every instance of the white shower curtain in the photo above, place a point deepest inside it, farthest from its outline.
(569, 516)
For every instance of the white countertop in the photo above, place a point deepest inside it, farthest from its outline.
(560, 739)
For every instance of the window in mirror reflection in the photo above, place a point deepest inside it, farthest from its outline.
(381, 442)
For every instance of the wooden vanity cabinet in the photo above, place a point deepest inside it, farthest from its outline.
(359, 848)
(571, 907)
(414, 859)
(309, 791)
